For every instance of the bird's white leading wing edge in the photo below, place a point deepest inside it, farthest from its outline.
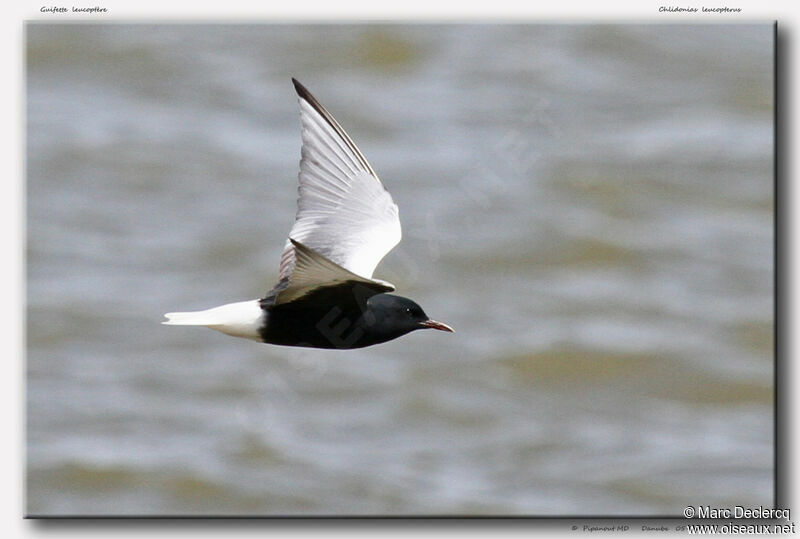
(344, 212)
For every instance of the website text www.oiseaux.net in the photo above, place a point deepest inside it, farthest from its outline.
(735, 528)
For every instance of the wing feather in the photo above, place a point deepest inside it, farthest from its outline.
(344, 213)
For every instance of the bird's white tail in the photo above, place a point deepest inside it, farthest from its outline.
(242, 319)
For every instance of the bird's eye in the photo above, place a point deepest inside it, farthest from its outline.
(408, 310)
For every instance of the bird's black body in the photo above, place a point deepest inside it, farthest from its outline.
(340, 317)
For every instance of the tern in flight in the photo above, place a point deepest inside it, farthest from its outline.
(346, 223)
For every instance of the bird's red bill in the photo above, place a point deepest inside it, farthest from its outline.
(433, 324)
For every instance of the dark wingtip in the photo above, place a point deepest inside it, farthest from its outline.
(305, 95)
(301, 90)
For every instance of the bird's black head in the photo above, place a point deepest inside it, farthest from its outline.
(394, 316)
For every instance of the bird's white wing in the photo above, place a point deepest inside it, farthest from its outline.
(344, 213)
(312, 271)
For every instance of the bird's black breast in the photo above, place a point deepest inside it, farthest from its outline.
(329, 317)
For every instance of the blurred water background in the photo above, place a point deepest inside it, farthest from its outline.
(590, 206)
